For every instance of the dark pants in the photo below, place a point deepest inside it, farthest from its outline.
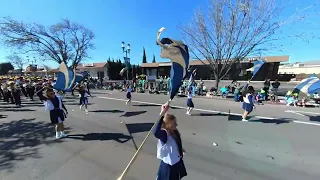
(236, 97)
(266, 89)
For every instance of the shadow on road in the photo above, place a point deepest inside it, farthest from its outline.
(233, 117)
(133, 113)
(109, 111)
(32, 103)
(139, 127)
(16, 110)
(74, 103)
(313, 118)
(207, 114)
(8, 107)
(119, 137)
(275, 121)
(3, 116)
(20, 140)
(152, 105)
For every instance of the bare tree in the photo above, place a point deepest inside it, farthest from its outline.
(62, 42)
(17, 61)
(232, 30)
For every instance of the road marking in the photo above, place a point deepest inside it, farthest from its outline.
(302, 112)
(295, 113)
(180, 107)
(308, 123)
(212, 111)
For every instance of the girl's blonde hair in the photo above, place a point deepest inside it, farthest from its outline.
(168, 118)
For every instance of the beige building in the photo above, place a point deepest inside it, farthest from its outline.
(308, 67)
(96, 70)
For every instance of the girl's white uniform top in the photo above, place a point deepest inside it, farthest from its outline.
(246, 98)
(189, 95)
(48, 106)
(168, 152)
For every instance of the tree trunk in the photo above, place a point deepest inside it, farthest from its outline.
(217, 80)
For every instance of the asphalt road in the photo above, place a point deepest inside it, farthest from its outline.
(277, 145)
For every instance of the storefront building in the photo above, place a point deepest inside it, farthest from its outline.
(238, 71)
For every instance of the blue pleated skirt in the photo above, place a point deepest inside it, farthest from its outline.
(128, 95)
(84, 100)
(175, 172)
(247, 107)
(190, 103)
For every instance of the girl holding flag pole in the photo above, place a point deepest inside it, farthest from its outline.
(248, 97)
(169, 148)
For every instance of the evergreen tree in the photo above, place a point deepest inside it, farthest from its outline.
(144, 57)
(154, 59)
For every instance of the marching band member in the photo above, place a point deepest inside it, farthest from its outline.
(57, 110)
(39, 91)
(30, 89)
(16, 94)
(4, 90)
(9, 92)
(169, 147)
(23, 89)
(1, 92)
(248, 104)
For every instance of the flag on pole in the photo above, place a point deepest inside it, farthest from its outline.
(65, 79)
(256, 67)
(179, 69)
(81, 76)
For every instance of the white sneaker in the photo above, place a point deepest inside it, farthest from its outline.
(127, 103)
(86, 110)
(244, 120)
(62, 134)
(188, 113)
(81, 107)
(58, 135)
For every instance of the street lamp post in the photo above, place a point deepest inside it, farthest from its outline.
(126, 59)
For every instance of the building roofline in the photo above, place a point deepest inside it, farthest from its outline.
(269, 59)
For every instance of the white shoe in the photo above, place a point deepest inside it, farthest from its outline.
(127, 103)
(86, 110)
(58, 135)
(244, 120)
(62, 134)
(81, 107)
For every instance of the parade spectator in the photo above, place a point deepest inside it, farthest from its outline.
(266, 86)
(236, 92)
(224, 91)
(275, 86)
(200, 87)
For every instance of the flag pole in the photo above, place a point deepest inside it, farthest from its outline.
(125, 171)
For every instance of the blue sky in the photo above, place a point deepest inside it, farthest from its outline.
(135, 22)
